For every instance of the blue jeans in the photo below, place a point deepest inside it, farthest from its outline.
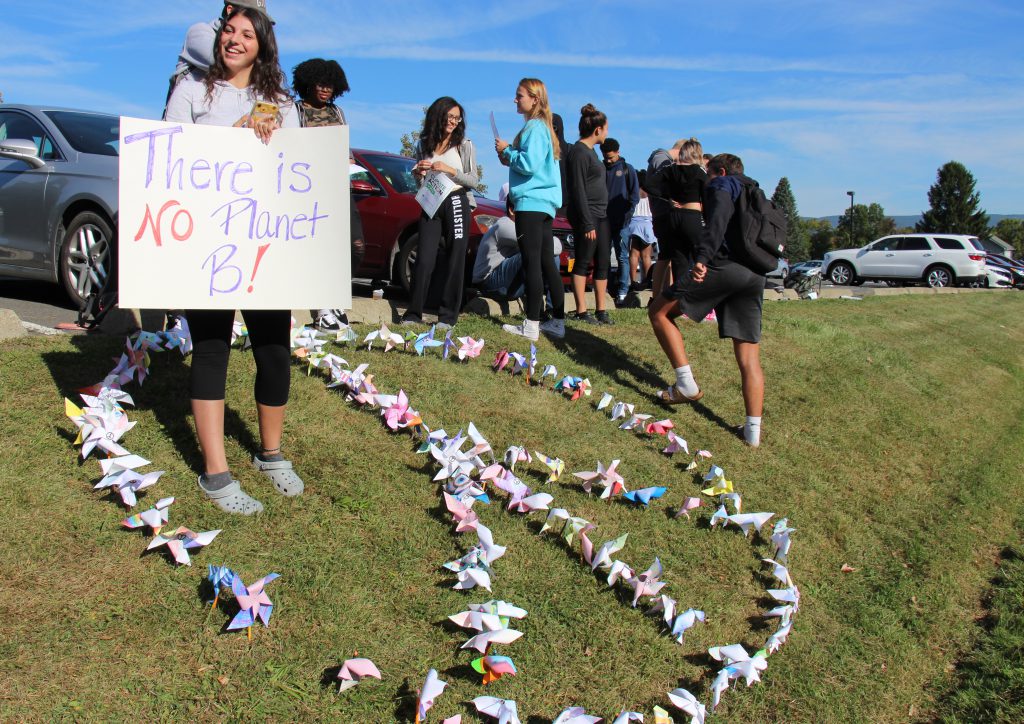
(509, 280)
(625, 273)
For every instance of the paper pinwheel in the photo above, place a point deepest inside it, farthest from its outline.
(647, 583)
(220, 577)
(134, 363)
(619, 570)
(720, 517)
(687, 702)
(603, 558)
(735, 499)
(787, 595)
(155, 517)
(493, 667)
(661, 716)
(661, 427)
(492, 615)
(465, 518)
(516, 454)
(583, 388)
(684, 621)
(555, 466)
(399, 415)
(428, 694)
(608, 478)
(180, 541)
(780, 572)
(719, 485)
(522, 502)
(240, 334)
(307, 342)
(606, 399)
(105, 400)
(178, 337)
(483, 640)
(622, 409)
(781, 539)
(469, 348)
(385, 335)
(504, 710)
(127, 483)
(568, 383)
(354, 670)
(778, 638)
(746, 521)
(690, 503)
(666, 606)
(99, 430)
(519, 363)
(345, 335)
(253, 602)
(644, 496)
(425, 341)
(448, 346)
(700, 454)
(549, 371)
(675, 444)
(625, 717)
(635, 421)
(576, 715)
(501, 360)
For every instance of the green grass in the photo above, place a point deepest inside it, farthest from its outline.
(892, 441)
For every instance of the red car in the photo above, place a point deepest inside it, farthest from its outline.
(385, 189)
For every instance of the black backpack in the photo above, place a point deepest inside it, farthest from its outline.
(762, 227)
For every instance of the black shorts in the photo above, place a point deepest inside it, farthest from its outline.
(733, 291)
(599, 250)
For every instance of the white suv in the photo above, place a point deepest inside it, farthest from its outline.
(938, 260)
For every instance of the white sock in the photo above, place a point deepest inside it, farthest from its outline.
(752, 431)
(685, 382)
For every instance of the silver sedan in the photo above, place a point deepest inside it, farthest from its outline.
(58, 196)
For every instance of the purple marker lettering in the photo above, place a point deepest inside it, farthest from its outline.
(297, 170)
(218, 267)
(240, 170)
(151, 136)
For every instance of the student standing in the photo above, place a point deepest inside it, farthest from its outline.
(444, 148)
(588, 214)
(717, 282)
(244, 70)
(623, 196)
(535, 188)
(679, 187)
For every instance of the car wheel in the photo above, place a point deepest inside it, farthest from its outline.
(841, 274)
(405, 261)
(939, 276)
(85, 256)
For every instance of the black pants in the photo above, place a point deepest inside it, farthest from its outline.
(449, 229)
(678, 233)
(600, 250)
(211, 342)
(537, 245)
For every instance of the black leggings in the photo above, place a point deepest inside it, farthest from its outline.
(678, 233)
(211, 341)
(600, 250)
(447, 230)
(537, 245)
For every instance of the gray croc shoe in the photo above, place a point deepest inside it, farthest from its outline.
(232, 499)
(286, 481)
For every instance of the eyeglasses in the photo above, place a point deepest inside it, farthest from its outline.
(454, 119)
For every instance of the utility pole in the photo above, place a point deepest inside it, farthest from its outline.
(850, 194)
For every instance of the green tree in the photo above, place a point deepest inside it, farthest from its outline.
(796, 235)
(1012, 232)
(869, 223)
(821, 237)
(409, 141)
(955, 205)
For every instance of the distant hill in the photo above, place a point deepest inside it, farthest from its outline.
(902, 221)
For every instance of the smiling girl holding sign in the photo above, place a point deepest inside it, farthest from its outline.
(444, 150)
(244, 87)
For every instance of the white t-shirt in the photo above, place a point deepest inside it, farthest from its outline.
(452, 158)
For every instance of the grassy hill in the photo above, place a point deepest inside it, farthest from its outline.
(892, 442)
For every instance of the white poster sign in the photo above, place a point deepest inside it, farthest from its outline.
(211, 218)
(435, 189)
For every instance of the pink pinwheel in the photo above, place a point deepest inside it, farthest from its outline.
(647, 583)
(608, 478)
(253, 602)
(400, 415)
(470, 348)
(465, 518)
(500, 360)
(523, 502)
(134, 363)
(180, 540)
(661, 427)
(635, 421)
(675, 444)
(390, 339)
(155, 517)
(689, 504)
(354, 670)
(582, 389)
(432, 688)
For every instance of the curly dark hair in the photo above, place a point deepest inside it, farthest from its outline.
(435, 125)
(267, 79)
(308, 74)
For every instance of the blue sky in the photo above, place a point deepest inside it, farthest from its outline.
(871, 96)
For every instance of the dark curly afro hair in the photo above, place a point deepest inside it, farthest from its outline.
(308, 74)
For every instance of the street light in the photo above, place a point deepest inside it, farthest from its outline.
(850, 194)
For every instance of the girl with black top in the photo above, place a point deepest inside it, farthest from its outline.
(682, 183)
(587, 204)
(443, 148)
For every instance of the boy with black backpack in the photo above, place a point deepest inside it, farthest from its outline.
(727, 280)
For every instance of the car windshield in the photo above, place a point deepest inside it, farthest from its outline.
(397, 170)
(88, 132)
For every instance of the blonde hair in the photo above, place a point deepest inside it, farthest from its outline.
(542, 110)
(691, 152)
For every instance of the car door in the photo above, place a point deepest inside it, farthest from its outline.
(877, 260)
(24, 237)
(914, 255)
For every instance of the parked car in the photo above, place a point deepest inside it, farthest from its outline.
(781, 270)
(805, 266)
(1014, 268)
(58, 196)
(938, 260)
(385, 190)
(996, 278)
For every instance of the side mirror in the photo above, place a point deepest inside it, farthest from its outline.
(365, 188)
(21, 149)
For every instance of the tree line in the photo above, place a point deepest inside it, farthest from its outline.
(954, 208)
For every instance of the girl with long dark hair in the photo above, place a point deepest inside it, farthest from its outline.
(535, 188)
(444, 148)
(245, 70)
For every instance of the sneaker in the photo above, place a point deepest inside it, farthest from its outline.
(327, 320)
(585, 317)
(528, 329)
(604, 318)
(553, 328)
(620, 302)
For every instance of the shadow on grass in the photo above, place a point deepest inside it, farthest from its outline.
(97, 355)
(405, 702)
